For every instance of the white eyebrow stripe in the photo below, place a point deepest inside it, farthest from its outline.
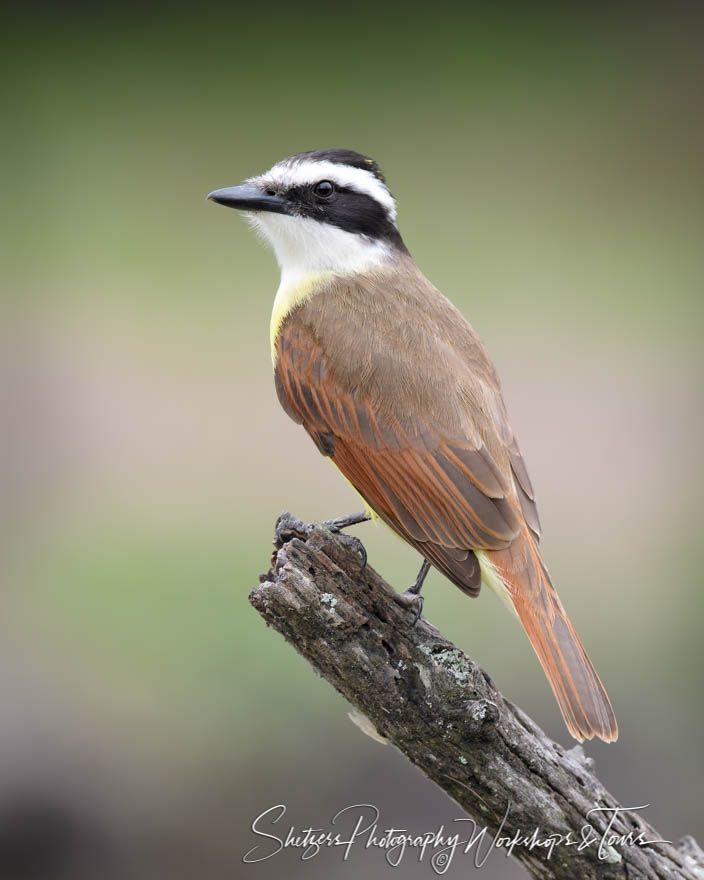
(310, 171)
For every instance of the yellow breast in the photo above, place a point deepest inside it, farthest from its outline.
(288, 296)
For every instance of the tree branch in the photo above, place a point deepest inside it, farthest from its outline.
(436, 705)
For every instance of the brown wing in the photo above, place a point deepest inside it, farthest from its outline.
(444, 495)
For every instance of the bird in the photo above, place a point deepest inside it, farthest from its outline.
(394, 385)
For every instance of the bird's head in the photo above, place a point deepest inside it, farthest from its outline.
(321, 211)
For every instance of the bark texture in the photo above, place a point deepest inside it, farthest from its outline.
(434, 703)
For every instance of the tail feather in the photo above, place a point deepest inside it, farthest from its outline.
(581, 696)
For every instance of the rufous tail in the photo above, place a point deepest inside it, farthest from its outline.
(581, 696)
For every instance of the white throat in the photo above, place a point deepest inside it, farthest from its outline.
(305, 247)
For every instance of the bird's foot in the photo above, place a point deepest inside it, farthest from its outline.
(342, 522)
(412, 598)
(412, 601)
(354, 544)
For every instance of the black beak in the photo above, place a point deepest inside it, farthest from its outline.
(249, 198)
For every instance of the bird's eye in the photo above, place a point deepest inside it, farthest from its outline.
(324, 189)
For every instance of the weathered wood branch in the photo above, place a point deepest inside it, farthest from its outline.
(436, 705)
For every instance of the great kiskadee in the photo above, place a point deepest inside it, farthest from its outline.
(394, 385)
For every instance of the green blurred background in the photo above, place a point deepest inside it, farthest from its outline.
(549, 178)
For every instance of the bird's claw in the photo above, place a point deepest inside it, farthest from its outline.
(342, 522)
(412, 598)
(354, 544)
(413, 601)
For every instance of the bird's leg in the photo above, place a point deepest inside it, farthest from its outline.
(412, 597)
(342, 522)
